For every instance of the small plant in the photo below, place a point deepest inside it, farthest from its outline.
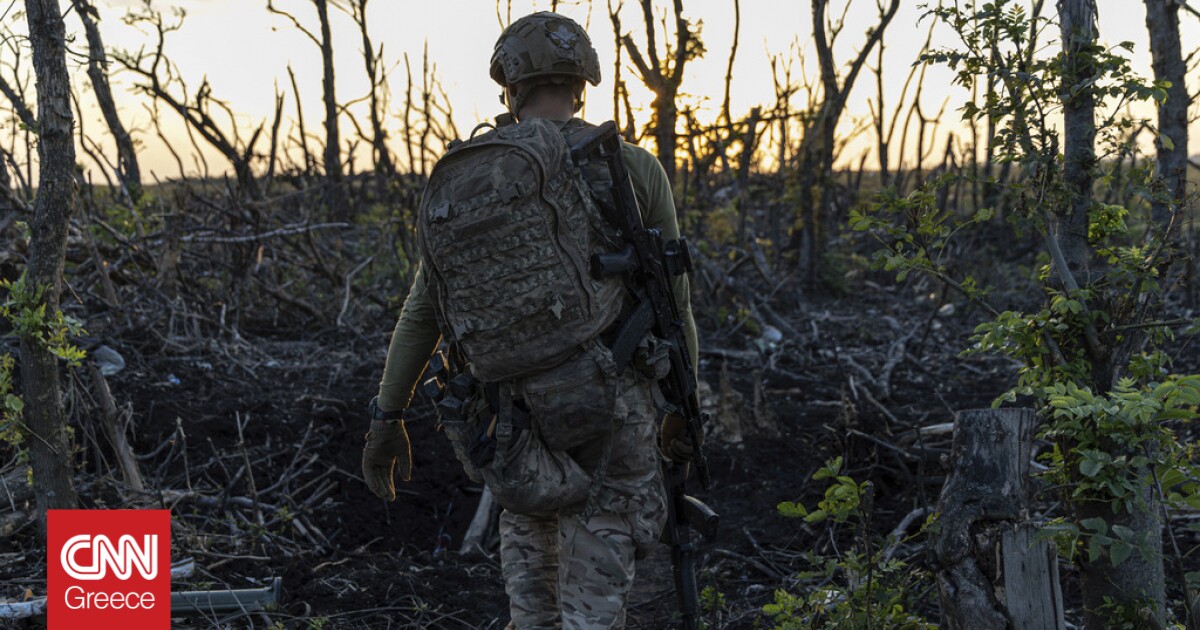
(24, 310)
(862, 587)
(10, 405)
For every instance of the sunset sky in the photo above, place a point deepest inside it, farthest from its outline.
(244, 51)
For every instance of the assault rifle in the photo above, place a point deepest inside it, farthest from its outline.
(648, 262)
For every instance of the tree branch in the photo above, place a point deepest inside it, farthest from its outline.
(19, 104)
(649, 76)
(295, 22)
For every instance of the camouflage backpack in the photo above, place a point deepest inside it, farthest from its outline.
(507, 229)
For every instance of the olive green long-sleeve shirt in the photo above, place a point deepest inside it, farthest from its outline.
(416, 335)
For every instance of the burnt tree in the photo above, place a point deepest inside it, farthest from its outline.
(993, 572)
(664, 77)
(334, 180)
(50, 448)
(160, 80)
(384, 166)
(818, 147)
(128, 170)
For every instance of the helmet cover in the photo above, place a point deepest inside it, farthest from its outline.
(543, 44)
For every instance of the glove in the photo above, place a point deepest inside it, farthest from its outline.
(674, 441)
(387, 443)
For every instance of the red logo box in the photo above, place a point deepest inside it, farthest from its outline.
(108, 569)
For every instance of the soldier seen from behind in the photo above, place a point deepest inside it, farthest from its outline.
(547, 391)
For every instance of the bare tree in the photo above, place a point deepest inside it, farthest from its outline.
(733, 48)
(818, 148)
(1162, 21)
(371, 60)
(885, 130)
(614, 16)
(664, 76)
(333, 149)
(23, 122)
(128, 170)
(50, 450)
(161, 81)
(301, 131)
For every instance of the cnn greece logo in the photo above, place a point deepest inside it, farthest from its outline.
(121, 557)
(104, 569)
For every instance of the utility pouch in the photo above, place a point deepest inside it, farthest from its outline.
(574, 403)
(463, 415)
(461, 436)
(527, 477)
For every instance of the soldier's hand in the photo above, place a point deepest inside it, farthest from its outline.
(387, 445)
(674, 441)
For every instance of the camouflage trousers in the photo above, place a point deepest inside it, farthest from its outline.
(573, 568)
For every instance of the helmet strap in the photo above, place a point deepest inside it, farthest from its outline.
(579, 97)
(514, 99)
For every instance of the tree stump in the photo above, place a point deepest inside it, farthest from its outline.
(993, 572)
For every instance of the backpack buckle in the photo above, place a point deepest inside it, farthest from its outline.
(504, 431)
(511, 191)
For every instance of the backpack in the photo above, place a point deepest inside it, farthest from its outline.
(507, 228)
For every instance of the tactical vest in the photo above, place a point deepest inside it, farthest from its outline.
(507, 228)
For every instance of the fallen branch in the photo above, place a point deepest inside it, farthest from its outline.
(898, 534)
(286, 230)
(764, 569)
(115, 432)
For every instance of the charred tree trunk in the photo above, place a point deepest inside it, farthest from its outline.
(128, 170)
(384, 167)
(114, 430)
(335, 196)
(992, 573)
(1162, 20)
(817, 149)
(50, 448)
(302, 133)
(333, 147)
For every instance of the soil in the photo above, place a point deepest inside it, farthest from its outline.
(396, 565)
(788, 402)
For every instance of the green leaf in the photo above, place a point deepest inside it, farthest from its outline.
(14, 403)
(1089, 467)
(1119, 551)
(794, 510)
(1095, 548)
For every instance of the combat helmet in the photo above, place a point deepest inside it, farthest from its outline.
(544, 44)
(543, 48)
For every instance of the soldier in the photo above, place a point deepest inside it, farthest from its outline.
(570, 566)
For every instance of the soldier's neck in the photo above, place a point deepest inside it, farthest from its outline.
(550, 110)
